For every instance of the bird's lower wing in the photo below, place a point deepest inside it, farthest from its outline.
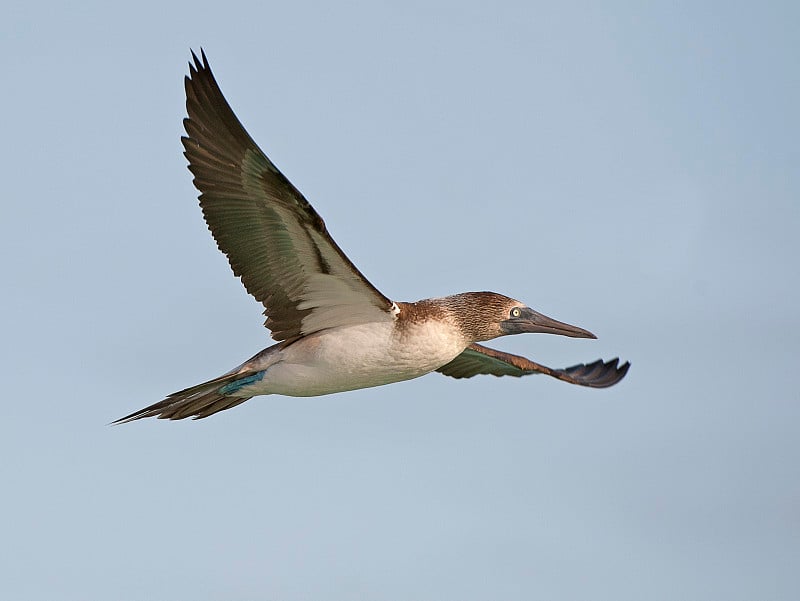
(477, 359)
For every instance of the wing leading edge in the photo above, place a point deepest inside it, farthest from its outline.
(478, 359)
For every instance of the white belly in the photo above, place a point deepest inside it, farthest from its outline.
(354, 357)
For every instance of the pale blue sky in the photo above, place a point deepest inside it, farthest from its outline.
(630, 170)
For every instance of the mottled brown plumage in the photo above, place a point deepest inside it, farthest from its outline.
(477, 314)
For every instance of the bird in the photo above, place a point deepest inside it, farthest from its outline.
(334, 330)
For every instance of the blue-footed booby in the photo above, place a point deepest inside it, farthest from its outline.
(334, 330)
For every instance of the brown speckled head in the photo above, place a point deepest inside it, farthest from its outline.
(486, 315)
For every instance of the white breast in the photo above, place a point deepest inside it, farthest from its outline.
(359, 356)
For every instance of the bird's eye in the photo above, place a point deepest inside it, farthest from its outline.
(515, 312)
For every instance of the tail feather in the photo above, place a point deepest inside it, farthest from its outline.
(196, 401)
(221, 405)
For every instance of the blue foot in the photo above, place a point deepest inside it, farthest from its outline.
(236, 385)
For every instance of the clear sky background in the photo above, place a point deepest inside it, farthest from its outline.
(631, 170)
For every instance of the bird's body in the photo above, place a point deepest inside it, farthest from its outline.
(336, 331)
(342, 359)
(353, 357)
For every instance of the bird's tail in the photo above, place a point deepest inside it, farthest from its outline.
(196, 402)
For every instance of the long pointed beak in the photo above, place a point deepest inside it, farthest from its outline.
(531, 321)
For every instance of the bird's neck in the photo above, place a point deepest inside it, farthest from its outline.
(473, 314)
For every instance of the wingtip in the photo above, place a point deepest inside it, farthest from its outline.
(198, 64)
(599, 373)
(615, 373)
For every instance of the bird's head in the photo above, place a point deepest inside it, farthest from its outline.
(487, 315)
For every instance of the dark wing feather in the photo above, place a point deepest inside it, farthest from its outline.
(274, 239)
(477, 359)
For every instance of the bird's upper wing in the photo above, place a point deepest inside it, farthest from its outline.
(477, 359)
(274, 239)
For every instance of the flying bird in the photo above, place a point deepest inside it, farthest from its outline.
(334, 330)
